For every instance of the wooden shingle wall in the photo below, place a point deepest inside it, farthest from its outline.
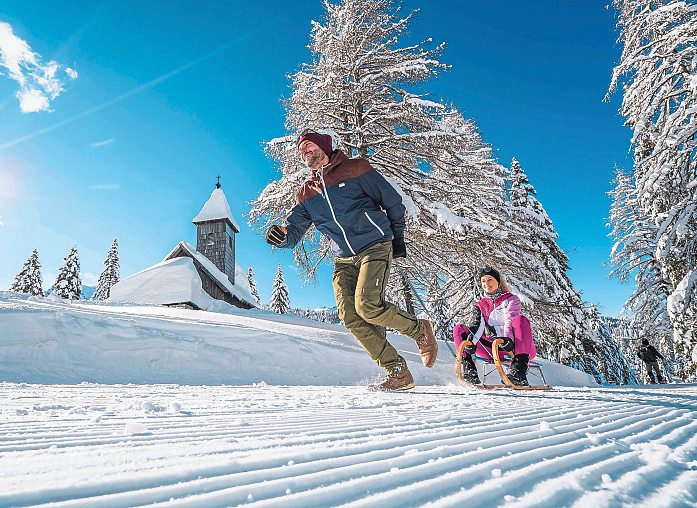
(216, 241)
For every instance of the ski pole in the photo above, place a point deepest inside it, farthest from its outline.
(418, 297)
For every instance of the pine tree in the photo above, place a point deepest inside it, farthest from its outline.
(253, 286)
(110, 275)
(613, 363)
(657, 69)
(29, 280)
(362, 83)
(439, 310)
(280, 302)
(556, 309)
(633, 256)
(68, 284)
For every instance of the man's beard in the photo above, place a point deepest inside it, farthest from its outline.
(315, 161)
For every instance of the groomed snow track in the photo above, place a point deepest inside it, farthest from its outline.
(132, 445)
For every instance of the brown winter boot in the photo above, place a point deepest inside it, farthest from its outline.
(428, 347)
(398, 379)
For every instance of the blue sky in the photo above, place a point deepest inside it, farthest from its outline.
(170, 94)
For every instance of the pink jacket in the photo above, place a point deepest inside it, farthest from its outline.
(497, 316)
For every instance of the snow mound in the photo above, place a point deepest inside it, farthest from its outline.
(50, 340)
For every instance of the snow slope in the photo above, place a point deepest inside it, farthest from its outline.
(131, 445)
(272, 416)
(49, 340)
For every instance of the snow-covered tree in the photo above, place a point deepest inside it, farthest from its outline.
(29, 280)
(657, 70)
(614, 365)
(280, 302)
(366, 84)
(253, 286)
(439, 310)
(68, 284)
(110, 275)
(357, 84)
(555, 308)
(633, 257)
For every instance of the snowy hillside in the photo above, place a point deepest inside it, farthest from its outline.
(47, 340)
(265, 420)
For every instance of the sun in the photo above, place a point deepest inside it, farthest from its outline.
(10, 185)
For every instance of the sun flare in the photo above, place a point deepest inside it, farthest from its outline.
(9, 185)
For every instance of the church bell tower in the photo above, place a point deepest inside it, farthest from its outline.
(215, 232)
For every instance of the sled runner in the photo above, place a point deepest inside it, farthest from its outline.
(534, 369)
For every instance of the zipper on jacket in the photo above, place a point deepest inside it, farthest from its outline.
(373, 223)
(331, 209)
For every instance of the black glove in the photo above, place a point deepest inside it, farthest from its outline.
(399, 249)
(507, 344)
(276, 235)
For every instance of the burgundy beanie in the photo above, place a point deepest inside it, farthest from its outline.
(324, 141)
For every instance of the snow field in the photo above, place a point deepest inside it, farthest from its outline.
(49, 340)
(132, 445)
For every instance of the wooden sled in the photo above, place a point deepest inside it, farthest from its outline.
(534, 369)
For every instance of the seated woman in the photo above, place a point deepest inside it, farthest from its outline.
(497, 315)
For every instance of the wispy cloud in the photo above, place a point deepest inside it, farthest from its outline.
(1, 222)
(104, 142)
(38, 83)
(141, 88)
(105, 186)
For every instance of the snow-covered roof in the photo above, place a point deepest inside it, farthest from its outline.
(172, 281)
(240, 289)
(216, 208)
(177, 281)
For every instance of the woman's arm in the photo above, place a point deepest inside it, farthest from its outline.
(511, 310)
(476, 322)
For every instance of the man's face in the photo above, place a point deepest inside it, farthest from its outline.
(311, 154)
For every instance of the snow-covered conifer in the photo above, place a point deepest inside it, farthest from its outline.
(657, 69)
(68, 284)
(555, 308)
(29, 280)
(439, 310)
(110, 275)
(613, 363)
(253, 285)
(280, 302)
(633, 257)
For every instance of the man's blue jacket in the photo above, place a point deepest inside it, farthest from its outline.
(349, 202)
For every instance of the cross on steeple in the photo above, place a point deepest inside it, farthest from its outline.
(217, 185)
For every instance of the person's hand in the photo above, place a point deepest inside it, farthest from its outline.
(276, 235)
(399, 249)
(507, 344)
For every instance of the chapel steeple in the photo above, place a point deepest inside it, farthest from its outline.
(215, 232)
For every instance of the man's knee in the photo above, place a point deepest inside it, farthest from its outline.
(369, 306)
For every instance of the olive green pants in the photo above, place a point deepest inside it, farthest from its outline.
(359, 287)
